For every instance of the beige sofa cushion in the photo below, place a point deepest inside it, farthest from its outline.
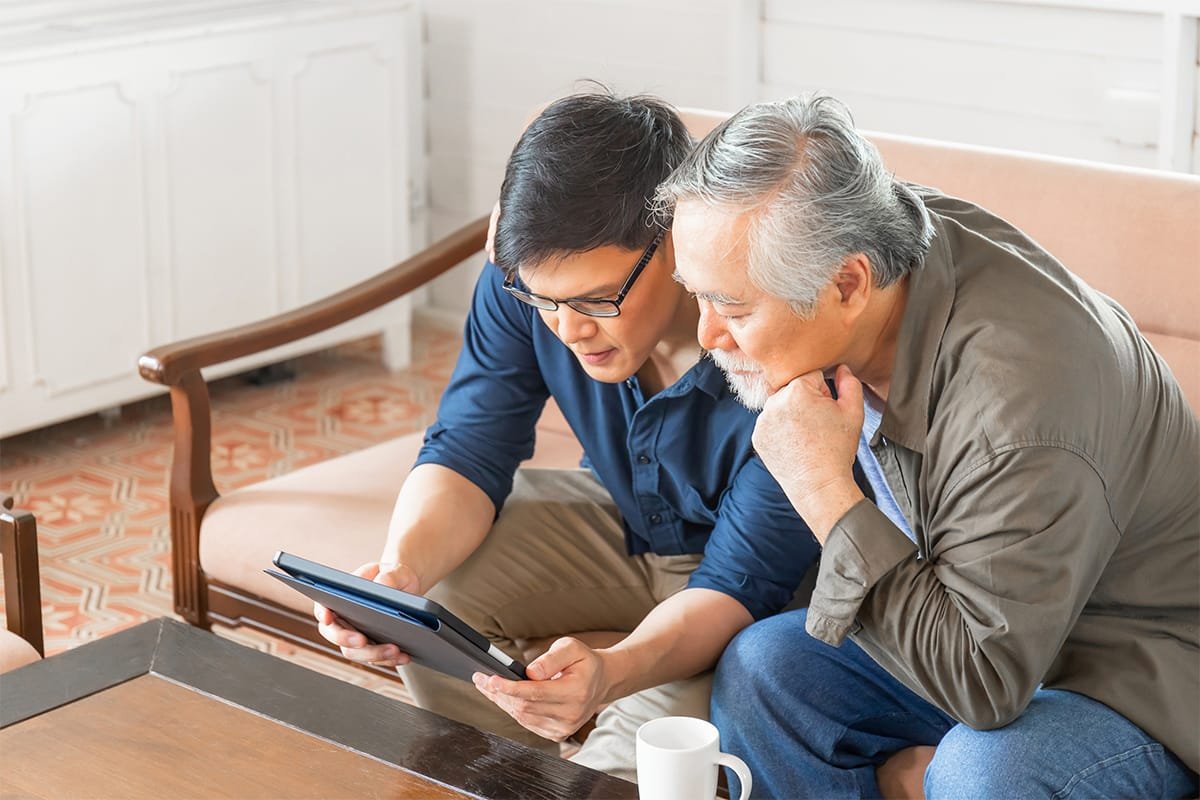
(15, 651)
(335, 512)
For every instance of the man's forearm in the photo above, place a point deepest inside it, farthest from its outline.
(681, 637)
(824, 506)
(440, 518)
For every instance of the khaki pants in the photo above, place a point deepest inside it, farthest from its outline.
(555, 564)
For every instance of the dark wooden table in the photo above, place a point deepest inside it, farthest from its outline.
(168, 710)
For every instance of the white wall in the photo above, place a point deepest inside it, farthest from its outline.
(1093, 79)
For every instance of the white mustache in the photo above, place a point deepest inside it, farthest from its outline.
(745, 378)
(731, 363)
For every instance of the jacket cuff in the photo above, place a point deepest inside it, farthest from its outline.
(863, 546)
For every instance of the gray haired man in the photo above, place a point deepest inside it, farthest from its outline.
(1022, 589)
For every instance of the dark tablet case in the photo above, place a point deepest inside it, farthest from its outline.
(415, 625)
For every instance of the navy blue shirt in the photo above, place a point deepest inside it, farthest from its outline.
(679, 464)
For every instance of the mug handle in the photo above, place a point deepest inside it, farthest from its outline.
(743, 772)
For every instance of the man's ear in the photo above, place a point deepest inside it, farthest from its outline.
(854, 282)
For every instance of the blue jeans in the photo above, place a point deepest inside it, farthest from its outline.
(813, 721)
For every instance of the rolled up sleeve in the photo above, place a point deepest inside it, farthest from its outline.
(862, 547)
(488, 412)
(760, 548)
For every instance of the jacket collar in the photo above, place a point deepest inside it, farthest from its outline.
(931, 293)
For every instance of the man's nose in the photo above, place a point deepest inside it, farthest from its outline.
(711, 331)
(571, 326)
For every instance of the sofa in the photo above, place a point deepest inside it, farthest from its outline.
(1133, 234)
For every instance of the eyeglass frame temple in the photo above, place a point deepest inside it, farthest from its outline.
(651, 249)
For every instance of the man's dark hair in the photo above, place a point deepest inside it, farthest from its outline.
(581, 177)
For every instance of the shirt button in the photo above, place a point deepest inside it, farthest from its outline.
(655, 518)
(643, 459)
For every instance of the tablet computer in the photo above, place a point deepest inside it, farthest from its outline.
(429, 633)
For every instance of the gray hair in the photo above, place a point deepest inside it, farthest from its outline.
(818, 192)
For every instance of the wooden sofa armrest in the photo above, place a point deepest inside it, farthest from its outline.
(22, 587)
(178, 366)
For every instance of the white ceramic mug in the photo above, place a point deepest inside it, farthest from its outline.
(678, 757)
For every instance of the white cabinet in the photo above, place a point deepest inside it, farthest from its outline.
(172, 169)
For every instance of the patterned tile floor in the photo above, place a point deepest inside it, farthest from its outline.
(98, 484)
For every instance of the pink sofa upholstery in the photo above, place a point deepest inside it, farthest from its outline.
(15, 651)
(335, 512)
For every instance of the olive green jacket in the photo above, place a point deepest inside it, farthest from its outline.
(1049, 466)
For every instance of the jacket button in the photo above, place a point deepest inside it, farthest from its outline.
(643, 459)
(655, 518)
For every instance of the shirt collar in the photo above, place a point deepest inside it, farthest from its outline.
(706, 376)
(931, 291)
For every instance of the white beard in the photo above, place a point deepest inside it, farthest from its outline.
(745, 379)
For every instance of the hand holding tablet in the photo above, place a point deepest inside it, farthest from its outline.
(353, 644)
(426, 631)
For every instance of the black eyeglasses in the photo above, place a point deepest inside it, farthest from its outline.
(588, 306)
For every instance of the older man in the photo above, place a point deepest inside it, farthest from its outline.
(1022, 588)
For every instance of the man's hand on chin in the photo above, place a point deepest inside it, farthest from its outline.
(808, 440)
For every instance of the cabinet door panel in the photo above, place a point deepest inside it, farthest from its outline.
(80, 192)
(344, 163)
(164, 181)
(223, 229)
